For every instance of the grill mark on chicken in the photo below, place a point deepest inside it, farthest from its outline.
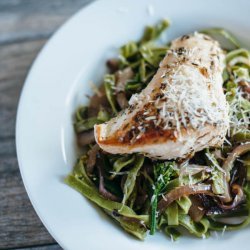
(204, 72)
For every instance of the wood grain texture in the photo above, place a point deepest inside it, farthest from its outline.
(22, 20)
(19, 224)
(25, 26)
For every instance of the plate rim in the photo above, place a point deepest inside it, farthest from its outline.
(35, 62)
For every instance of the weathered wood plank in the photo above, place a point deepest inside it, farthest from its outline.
(19, 224)
(14, 64)
(22, 20)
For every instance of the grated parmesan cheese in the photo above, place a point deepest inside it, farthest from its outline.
(185, 99)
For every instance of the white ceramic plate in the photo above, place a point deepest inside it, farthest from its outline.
(57, 84)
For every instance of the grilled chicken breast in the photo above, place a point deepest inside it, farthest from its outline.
(182, 110)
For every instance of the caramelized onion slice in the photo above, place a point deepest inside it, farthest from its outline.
(102, 190)
(85, 138)
(92, 154)
(196, 210)
(228, 165)
(239, 197)
(122, 100)
(240, 150)
(181, 191)
(122, 76)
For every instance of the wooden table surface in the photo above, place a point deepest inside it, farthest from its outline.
(25, 25)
